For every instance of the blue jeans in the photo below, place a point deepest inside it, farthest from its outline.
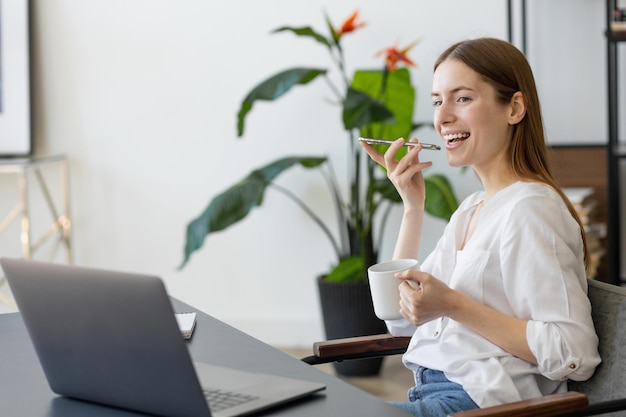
(435, 396)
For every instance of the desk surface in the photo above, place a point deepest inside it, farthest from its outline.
(24, 391)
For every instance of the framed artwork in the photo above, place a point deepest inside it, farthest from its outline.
(15, 86)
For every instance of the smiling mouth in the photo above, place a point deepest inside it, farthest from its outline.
(456, 137)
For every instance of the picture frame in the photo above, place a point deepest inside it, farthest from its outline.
(15, 79)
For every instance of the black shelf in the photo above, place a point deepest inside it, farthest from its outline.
(616, 31)
(616, 36)
(616, 149)
(619, 151)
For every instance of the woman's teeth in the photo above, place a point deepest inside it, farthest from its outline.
(456, 137)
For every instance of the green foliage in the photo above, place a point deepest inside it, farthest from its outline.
(274, 87)
(375, 103)
(235, 203)
(395, 91)
(441, 201)
(348, 270)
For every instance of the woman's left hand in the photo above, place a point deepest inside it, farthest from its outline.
(423, 297)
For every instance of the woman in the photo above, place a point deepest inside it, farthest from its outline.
(501, 312)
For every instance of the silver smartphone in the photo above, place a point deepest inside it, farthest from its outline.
(389, 142)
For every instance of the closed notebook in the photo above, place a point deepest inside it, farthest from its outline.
(186, 323)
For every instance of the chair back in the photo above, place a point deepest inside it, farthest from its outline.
(608, 303)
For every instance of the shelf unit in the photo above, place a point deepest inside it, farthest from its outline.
(616, 150)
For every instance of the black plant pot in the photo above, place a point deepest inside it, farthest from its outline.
(347, 311)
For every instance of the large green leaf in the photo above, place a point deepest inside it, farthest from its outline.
(387, 190)
(349, 270)
(305, 31)
(234, 204)
(360, 109)
(440, 199)
(398, 95)
(273, 88)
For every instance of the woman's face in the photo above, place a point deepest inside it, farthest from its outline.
(472, 123)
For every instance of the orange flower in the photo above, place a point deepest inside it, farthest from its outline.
(393, 56)
(350, 24)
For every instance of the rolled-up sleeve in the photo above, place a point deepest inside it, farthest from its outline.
(545, 282)
(559, 356)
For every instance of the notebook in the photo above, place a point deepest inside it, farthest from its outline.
(186, 323)
(112, 338)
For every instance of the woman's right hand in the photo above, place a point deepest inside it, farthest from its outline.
(405, 174)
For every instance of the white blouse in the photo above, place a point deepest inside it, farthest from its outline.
(525, 259)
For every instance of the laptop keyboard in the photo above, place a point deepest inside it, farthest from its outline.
(220, 400)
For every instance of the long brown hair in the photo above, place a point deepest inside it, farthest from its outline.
(504, 67)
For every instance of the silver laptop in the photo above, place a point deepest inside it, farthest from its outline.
(112, 338)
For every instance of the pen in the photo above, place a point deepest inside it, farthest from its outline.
(389, 142)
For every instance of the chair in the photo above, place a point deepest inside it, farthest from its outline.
(604, 392)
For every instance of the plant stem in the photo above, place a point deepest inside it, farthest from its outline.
(333, 88)
(339, 60)
(311, 214)
(331, 179)
(383, 225)
(355, 205)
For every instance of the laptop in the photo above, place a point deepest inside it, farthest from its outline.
(112, 338)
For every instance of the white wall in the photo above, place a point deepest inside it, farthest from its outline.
(567, 48)
(142, 96)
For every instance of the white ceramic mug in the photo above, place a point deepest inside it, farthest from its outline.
(384, 286)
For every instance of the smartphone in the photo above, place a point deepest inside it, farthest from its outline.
(389, 142)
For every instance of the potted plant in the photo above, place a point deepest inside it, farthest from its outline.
(374, 103)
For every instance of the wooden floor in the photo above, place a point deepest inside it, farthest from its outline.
(390, 385)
